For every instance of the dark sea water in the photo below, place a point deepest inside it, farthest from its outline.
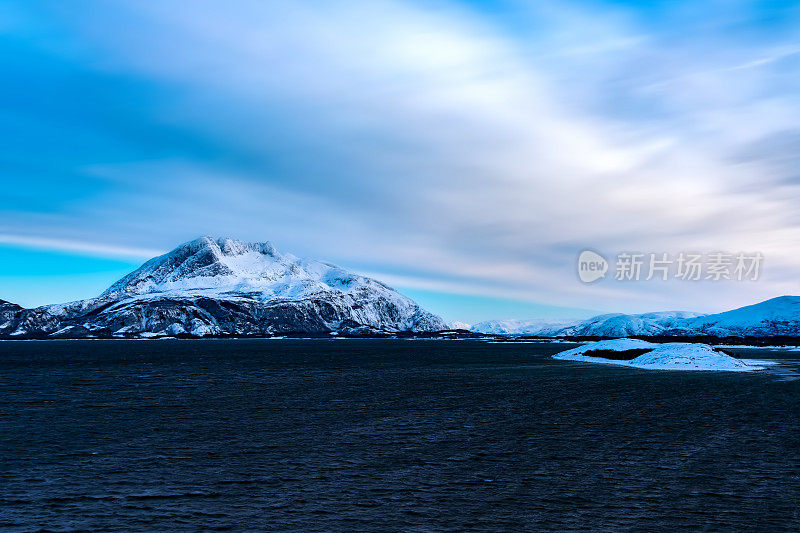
(387, 435)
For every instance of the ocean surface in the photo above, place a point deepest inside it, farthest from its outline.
(388, 435)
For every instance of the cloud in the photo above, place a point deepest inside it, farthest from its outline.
(88, 248)
(461, 149)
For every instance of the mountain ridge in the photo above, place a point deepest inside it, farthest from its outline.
(223, 286)
(779, 316)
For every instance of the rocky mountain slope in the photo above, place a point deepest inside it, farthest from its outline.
(227, 287)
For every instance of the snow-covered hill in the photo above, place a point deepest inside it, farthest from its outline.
(223, 286)
(667, 356)
(778, 316)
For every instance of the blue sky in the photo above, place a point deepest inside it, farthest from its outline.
(464, 152)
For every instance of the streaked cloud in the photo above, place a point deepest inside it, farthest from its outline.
(82, 247)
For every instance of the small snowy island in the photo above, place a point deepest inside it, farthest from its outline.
(651, 356)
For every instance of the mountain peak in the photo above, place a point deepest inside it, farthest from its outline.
(226, 246)
(207, 263)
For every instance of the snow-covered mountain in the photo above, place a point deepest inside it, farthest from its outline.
(778, 316)
(223, 286)
(621, 325)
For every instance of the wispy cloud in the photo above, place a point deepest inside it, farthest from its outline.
(87, 248)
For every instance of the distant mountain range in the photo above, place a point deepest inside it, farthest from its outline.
(221, 287)
(776, 317)
(210, 287)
